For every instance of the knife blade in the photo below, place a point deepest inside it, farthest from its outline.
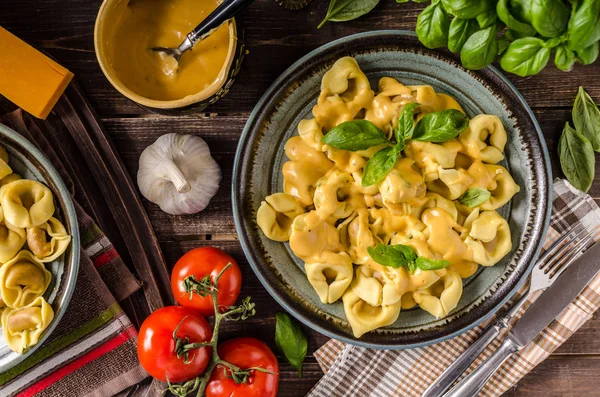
(558, 296)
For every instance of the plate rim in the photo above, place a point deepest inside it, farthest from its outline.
(237, 200)
(74, 256)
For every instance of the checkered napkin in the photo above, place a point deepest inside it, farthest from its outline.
(357, 371)
(92, 351)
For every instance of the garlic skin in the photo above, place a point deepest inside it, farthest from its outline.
(178, 174)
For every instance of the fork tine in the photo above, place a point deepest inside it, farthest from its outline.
(572, 234)
(564, 265)
(558, 264)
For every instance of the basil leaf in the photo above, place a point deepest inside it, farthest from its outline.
(380, 165)
(406, 123)
(460, 31)
(589, 54)
(347, 10)
(505, 15)
(584, 25)
(521, 10)
(525, 57)
(354, 135)
(431, 264)
(466, 9)
(513, 35)
(586, 118)
(290, 340)
(576, 158)
(440, 126)
(564, 58)
(549, 17)
(486, 19)
(474, 197)
(394, 256)
(503, 44)
(480, 49)
(432, 26)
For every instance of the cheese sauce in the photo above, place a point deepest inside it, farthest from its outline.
(144, 24)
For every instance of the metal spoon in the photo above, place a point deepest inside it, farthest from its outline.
(224, 12)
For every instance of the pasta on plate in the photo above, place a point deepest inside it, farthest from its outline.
(30, 237)
(390, 197)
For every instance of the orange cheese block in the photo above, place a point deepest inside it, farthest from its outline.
(28, 78)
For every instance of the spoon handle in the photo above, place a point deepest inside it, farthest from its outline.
(224, 12)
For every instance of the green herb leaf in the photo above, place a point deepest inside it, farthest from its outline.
(380, 165)
(480, 49)
(395, 256)
(406, 123)
(432, 26)
(347, 10)
(521, 9)
(577, 158)
(466, 9)
(549, 17)
(586, 118)
(460, 31)
(440, 126)
(354, 135)
(487, 18)
(291, 340)
(503, 44)
(474, 197)
(525, 57)
(564, 58)
(506, 16)
(589, 54)
(431, 264)
(584, 25)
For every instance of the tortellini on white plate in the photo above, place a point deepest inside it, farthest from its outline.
(425, 203)
(22, 327)
(26, 203)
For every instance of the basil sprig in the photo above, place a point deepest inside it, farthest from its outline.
(397, 256)
(290, 340)
(474, 197)
(576, 158)
(358, 135)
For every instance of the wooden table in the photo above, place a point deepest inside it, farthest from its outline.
(275, 38)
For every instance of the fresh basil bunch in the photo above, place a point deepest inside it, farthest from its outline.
(359, 135)
(576, 146)
(397, 256)
(524, 33)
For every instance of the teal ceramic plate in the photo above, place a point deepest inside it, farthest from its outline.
(260, 156)
(30, 163)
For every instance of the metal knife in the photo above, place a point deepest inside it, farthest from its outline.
(541, 313)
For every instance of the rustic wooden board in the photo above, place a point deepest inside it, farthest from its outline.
(276, 38)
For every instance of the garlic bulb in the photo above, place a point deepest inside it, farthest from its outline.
(177, 173)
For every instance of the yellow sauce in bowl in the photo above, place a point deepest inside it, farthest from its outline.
(127, 30)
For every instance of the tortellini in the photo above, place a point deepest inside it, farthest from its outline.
(23, 279)
(333, 222)
(49, 240)
(12, 239)
(26, 203)
(22, 327)
(276, 214)
(330, 276)
(442, 297)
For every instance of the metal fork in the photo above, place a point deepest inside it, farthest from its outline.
(549, 266)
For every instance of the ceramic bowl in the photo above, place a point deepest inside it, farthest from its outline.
(30, 163)
(106, 19)
(260, 156)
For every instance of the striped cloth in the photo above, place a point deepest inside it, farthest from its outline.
(93, 350)
(356, 371)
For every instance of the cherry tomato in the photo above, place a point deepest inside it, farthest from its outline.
(245, 353)
(156, 346)
(200, 262)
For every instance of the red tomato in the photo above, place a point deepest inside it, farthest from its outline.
(201, 262)
(156, 346)
(245, 353)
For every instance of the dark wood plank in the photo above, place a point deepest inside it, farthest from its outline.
(275, 38)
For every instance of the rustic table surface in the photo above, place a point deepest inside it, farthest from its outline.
(275, 38)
